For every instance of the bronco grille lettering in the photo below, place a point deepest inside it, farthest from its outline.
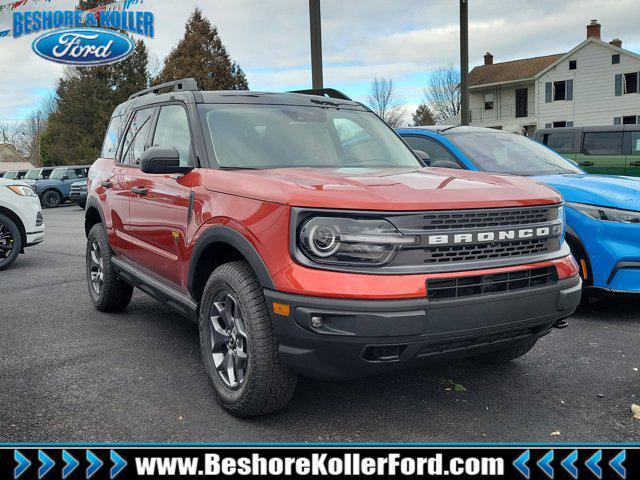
(492, 236)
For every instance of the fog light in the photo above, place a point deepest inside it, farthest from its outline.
(316, 322)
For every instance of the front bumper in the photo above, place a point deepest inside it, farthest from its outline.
(78, 197)
(364, 337)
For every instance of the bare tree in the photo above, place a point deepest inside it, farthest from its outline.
(385, 101)
(443, 93)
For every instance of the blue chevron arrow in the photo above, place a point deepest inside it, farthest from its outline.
(569, 464)
(544, 464)
(70, 464)
(592, 464)
(617, 466)
(46, 464)
(118, 464)
(23, 464)
(94, 464)
(521, 464)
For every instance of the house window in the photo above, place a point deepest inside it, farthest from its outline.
(630, 120)
(559, 90)
(488, 101)
(615, 59)
(573, 64)
(559, 124)
(631, 82)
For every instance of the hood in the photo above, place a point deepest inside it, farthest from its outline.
(5, 182)
(603, 190)
(381, 189)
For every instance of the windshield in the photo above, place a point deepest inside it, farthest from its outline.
(33, 174)
(10, 175)
(275, 136)
(58, 173)
(511, 153)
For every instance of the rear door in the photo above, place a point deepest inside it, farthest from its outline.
(632, 150)
(602, 152)
(158, 208)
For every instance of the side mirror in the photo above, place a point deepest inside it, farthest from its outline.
(158, 160)
(65, 177)
(445, 164)
(424, 156)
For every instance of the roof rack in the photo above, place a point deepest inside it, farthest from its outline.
(184, 84)
(324, 92)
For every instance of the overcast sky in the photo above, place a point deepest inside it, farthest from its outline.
(400, 39)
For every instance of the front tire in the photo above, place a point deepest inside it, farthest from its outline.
(108, 292)
(239, 348)
(51, 199)
(508, 354)
(10, 242)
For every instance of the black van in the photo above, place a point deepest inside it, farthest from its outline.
(613, 150)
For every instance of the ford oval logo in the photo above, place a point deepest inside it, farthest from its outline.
(83, 46)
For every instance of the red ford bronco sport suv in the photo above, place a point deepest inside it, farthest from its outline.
(305, 237)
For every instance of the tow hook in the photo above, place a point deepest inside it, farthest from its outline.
(562, 323)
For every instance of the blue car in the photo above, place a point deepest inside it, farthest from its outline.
(57, 187)
(603, 211)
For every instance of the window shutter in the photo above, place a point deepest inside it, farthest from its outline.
(569, 124)
(638, 120)
(618, 85)
(570, 89)
(638, 89)
(548, 125)
(617, 120)
(547, 92)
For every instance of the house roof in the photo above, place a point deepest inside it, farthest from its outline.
(511, 71)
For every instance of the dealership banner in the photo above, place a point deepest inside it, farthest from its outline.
(372, 461)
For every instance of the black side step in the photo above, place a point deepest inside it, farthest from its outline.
(178, 301)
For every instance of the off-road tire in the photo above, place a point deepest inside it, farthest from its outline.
(268, 385)
(508, 354)
(51, 199)
(9, 226)
(115, 293)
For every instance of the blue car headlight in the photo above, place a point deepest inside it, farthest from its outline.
(607, 214)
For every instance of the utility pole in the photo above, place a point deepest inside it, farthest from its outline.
(464, 62)
(316, 44)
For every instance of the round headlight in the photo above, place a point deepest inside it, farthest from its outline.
(323, 240)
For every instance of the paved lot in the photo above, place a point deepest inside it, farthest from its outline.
(69, 373)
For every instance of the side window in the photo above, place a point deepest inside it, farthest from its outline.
(436, 151)
(172, 130)
(112, 138)
(635, 143)
(72, 174)
(80, 172)
(134, 140)
(561, 142)
(602, 143)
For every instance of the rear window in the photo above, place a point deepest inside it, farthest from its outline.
(561, 142)
(112, 138)
(602, 143)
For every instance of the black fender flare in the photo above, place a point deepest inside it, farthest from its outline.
(224, 234)
(572, 236)
(92, 203)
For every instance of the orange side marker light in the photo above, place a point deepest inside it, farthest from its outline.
(281, 309)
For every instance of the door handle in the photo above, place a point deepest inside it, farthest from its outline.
(635, 164)
(586, 164)
(139, 190)
(106, 183)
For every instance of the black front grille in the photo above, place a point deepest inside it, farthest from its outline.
(39, 219)
(449, 288)
(485, 218)
(468, 253)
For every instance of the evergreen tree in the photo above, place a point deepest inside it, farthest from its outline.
(423, 116)
(201, 55)
(86, 98)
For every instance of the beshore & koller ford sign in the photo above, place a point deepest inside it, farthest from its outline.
(84, 38)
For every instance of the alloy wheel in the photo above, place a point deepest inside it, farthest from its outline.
(96, 268)
(229, 343)
(6, 242)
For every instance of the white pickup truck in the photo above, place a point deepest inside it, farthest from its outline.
(21, 221)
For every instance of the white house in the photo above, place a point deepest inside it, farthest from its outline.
(596, 83)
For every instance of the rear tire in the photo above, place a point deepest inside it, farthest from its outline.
(239, 348)
(508, 354)
(51, 199)
(108, 292)
(10, 242)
